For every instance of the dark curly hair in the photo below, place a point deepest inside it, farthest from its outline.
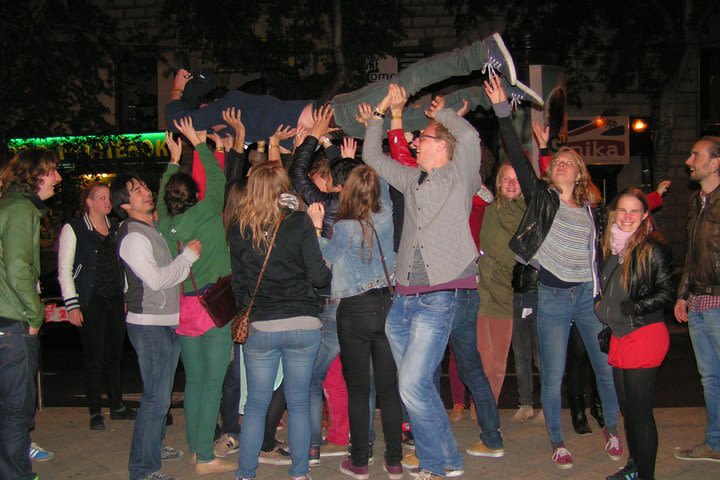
(23, 171)
(181, 193)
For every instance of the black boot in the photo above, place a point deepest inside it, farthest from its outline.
(577, 414)
(596, 409)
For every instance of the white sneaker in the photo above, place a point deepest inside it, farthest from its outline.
(226, 445)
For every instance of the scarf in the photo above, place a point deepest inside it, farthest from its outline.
(618, 240)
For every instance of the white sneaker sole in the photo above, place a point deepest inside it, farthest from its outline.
(506, 54)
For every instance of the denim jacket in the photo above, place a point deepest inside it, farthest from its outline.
(352, 276)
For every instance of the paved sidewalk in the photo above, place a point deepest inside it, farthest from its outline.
(84, 454)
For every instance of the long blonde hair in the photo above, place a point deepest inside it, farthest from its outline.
(581, 191)
(256, 208)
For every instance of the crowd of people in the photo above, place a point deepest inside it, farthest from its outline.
(357, 275)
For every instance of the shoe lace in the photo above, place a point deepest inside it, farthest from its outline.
(514, 100)
(613, 443)
(561, 452)
(491, 66)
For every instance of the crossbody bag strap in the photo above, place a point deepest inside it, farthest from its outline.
(180, 248)
(382, 259)
(262, 270)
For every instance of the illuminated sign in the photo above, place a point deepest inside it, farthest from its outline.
(600, 140)
(100, 147)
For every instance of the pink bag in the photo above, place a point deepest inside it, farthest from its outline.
(194, 319)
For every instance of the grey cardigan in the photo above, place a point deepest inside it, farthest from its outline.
(437, 211)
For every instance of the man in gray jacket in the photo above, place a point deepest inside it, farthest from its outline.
(153, 310)
(434, 270)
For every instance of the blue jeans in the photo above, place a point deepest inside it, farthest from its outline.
(463, 340)
(705, 337)
(263, 352)
(557, 309)
(19, 357)
(418, 328)
(329, 349)
(158, 350)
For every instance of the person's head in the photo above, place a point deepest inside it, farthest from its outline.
(339, 173)
(320, 172)
(131, 197)
(506, 183)
(257, 207)
(435, 146)
(704, 160)
(95, 199)
(32, 170)
(487, 163)
(568, 173)
(181, 193)
(359, 199)
(630, 214)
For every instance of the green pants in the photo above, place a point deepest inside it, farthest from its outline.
(205, 359)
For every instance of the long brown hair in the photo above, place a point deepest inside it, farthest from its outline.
(23, 171)
(359, 199)
(581, 191)
(256, 208)
(638, 248)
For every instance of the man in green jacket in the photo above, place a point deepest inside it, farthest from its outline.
(26, 180)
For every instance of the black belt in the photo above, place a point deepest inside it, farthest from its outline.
(376, 291)
(452, 290)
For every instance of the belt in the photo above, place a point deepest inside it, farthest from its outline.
(712, 290)
(452, 290)
(376, 291)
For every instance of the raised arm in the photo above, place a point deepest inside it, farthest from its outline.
(529, 183)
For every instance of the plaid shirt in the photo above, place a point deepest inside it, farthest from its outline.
(700, 303)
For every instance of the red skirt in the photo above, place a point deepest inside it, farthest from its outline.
(646, 347)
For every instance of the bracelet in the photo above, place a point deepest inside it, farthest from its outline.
(276, 145)
(326, 142)
(318, 231)
(176, 90)
(173, 162)
(396, 117)
(378, 114)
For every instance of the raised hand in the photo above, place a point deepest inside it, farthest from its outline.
(322, 117)
(494, 89)
(398, 98)
(348, 147)
(364, 113)
(541, 134)
(282, 133)
(181, 79)
(300, 134)
(185, 126)
(663, 187)
(437, 104)
(464, 109)
(174, 147)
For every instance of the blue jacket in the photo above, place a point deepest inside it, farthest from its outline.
(351, 275)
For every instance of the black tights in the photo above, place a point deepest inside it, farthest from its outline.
(272, 420)
(636, 391)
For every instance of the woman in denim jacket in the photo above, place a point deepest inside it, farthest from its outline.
(361, 282)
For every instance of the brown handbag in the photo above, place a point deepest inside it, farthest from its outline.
(241, 323)
(218, 300)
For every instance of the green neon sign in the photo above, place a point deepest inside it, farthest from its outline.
(100, 147)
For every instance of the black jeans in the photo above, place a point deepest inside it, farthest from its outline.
(577, 367)
(361, 333)
(635, 389)
(103, 335)
(272, 420)
(230, 400)
(19, 357)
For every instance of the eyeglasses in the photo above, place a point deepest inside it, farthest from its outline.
(423, 136)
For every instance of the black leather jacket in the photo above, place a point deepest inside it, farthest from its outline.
(647, 295)
(542, 200)
(701, 275)
(524, 278)
(309, 192)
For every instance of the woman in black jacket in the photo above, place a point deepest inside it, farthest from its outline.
(636, 282)
(557, 235)
(284, 324)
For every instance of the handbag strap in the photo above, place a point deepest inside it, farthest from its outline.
(262, 270)
(180, 247)
(382, 259)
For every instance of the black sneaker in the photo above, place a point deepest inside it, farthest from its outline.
(498, 58)
(97, 422)
(314, 456)
(521, 93)
(124, 413)
(628, 472)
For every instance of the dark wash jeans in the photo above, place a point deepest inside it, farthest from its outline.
(19, 357)
(361, 333)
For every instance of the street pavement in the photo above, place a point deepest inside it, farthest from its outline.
(84, 454)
